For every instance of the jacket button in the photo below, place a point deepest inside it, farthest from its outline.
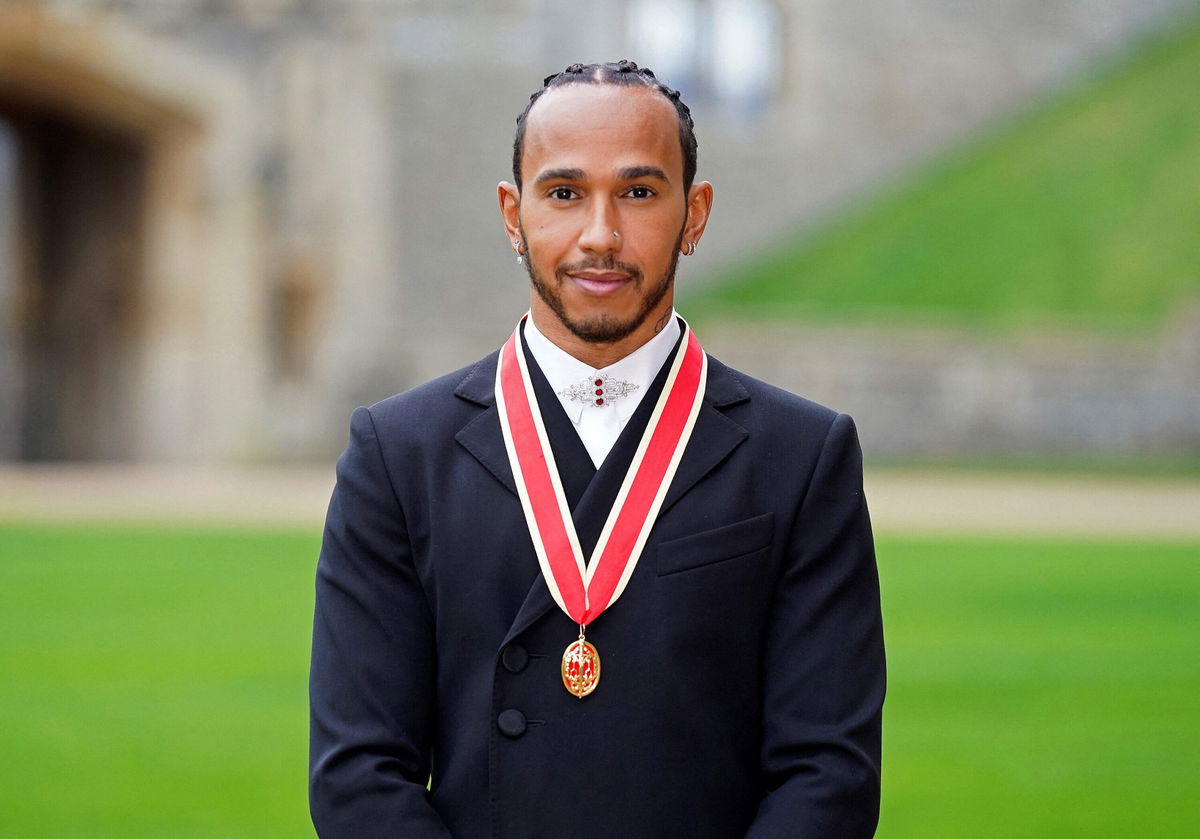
(511, 723)
(514, 658)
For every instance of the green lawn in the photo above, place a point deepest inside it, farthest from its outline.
(152, 683)
(1083, 209)
(1041, 689)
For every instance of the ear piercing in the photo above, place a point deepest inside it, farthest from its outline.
(689, 248)
(520, 251)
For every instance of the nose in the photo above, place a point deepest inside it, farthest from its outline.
(600, 234)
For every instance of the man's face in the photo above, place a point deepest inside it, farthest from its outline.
(602, 209)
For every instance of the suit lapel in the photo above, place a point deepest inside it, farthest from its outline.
(714, 437)
(715, 434)
(481, 436)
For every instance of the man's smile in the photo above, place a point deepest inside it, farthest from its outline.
(600, 282)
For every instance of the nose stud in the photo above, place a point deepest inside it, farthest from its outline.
(616, 235)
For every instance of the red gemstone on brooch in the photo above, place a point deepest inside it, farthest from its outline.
(599, 401)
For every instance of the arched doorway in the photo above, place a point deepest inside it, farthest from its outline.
(85, 158)
(76, 205)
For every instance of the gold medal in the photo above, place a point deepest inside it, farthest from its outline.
(580, 667)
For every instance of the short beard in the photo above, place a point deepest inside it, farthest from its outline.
(604, 328)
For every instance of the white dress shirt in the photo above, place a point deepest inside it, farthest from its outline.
(599, 425)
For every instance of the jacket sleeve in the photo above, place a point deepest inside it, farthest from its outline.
(824, 663)
(371, 686)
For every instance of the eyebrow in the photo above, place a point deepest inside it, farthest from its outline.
(560, 175)
(629, 173)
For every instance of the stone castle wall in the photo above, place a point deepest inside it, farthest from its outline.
(943, 393)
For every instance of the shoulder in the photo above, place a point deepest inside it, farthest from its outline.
(768, 403)
(782, 426)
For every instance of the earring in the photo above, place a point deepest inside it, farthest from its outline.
(520, 251)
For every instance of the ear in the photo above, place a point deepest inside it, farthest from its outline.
(699, 206)
(510, 210)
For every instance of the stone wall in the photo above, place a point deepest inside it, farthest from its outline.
(950, 392)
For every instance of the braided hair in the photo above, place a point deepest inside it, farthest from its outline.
(626, 74)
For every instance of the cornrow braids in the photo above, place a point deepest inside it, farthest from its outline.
(623, 73)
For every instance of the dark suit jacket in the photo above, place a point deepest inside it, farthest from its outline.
(742, 670)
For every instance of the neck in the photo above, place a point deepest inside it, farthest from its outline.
(598, 355)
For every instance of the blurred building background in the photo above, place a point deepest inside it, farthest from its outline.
(225, 223)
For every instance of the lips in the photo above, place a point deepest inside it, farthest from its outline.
(607, 282)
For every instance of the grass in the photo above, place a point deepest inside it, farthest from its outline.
(152, 683)
(1083, 210)
(1040, 689)
(1182, 464)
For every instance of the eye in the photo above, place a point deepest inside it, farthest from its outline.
(562, 193)
(640, 192)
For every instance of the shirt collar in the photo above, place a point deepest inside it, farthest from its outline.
(639, 367)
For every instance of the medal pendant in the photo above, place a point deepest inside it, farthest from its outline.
(580, 667)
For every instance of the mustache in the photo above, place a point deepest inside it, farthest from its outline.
(607, 263)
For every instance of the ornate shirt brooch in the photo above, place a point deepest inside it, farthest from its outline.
(598, 391)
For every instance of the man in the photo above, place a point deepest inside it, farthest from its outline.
(598, 584)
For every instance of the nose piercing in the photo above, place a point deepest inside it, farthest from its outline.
(616, 235)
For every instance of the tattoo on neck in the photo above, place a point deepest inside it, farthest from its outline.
(661, 322)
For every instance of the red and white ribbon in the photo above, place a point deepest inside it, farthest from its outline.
(584, 590)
